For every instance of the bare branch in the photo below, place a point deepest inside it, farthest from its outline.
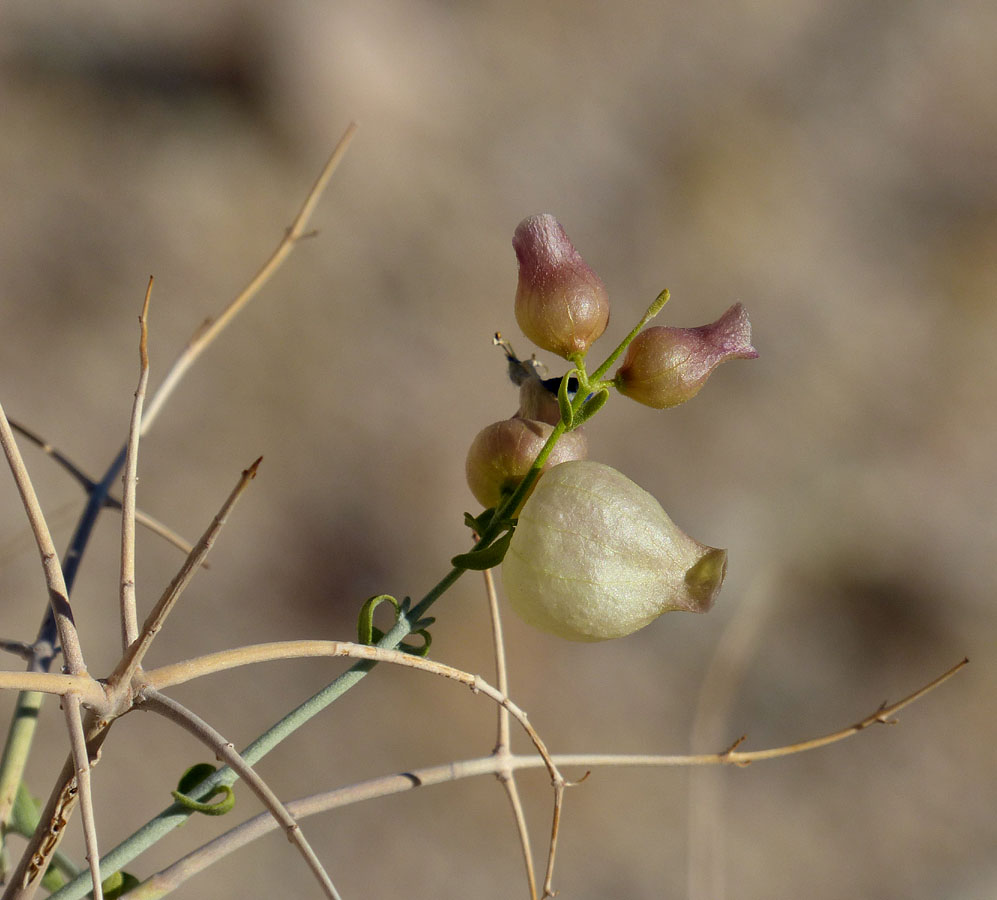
(58, 618)
(555, 828)
(54, 818)
(89, 691)
(18, 648)
(85, 480)
(502, 750)
(135, 653)
(705, 849)
(178, 673)
(174, 875)
(88, 484)
(129, 617)
(225, 751)
(211, 328)
(58, 594)
(81, 759)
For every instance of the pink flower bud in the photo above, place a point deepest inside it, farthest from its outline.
(561, 304)
(664, 367)
(502, 454)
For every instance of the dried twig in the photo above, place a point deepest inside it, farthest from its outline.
(502, 751)
(72, 651)
(204, 336)
(89, 691)
(58, 618)
(81, 757)
(178, 673)
(211, 328)
(129, 617)
(717, 693)
(85, 480)
(18, 648)
(89, 484)
(57, 591)
(199, 859)
(55, 817)
(135, 653)
(116, 700)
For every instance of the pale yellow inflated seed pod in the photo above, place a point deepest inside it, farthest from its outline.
(595, 557)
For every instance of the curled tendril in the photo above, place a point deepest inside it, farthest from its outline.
(190, 780)
(365, 625)
(369, 633)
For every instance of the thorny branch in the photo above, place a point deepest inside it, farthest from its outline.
(57, 621)
(174, 875)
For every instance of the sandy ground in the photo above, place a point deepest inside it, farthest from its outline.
(829, 165)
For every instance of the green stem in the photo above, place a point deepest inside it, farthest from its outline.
(17, 750)
(652, 311)
(175, 815)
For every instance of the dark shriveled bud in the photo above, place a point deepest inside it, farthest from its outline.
(502, 454)
(561, 304)
(664, 367)
(538, 402)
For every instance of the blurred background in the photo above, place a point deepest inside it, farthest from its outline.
(831, 166)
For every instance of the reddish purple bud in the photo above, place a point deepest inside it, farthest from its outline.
(561, 304)
(502, 454)
(664, 367)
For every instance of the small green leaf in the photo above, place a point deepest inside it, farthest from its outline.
(478, 524)
(564, 401)
(591, 406)
(485, 558)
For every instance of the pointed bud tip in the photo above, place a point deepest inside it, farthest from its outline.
(561, 304)
(542, 241)
(731, 334)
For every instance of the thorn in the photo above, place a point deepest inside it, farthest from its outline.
(735, 745)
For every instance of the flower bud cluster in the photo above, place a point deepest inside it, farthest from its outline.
(592, 555)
